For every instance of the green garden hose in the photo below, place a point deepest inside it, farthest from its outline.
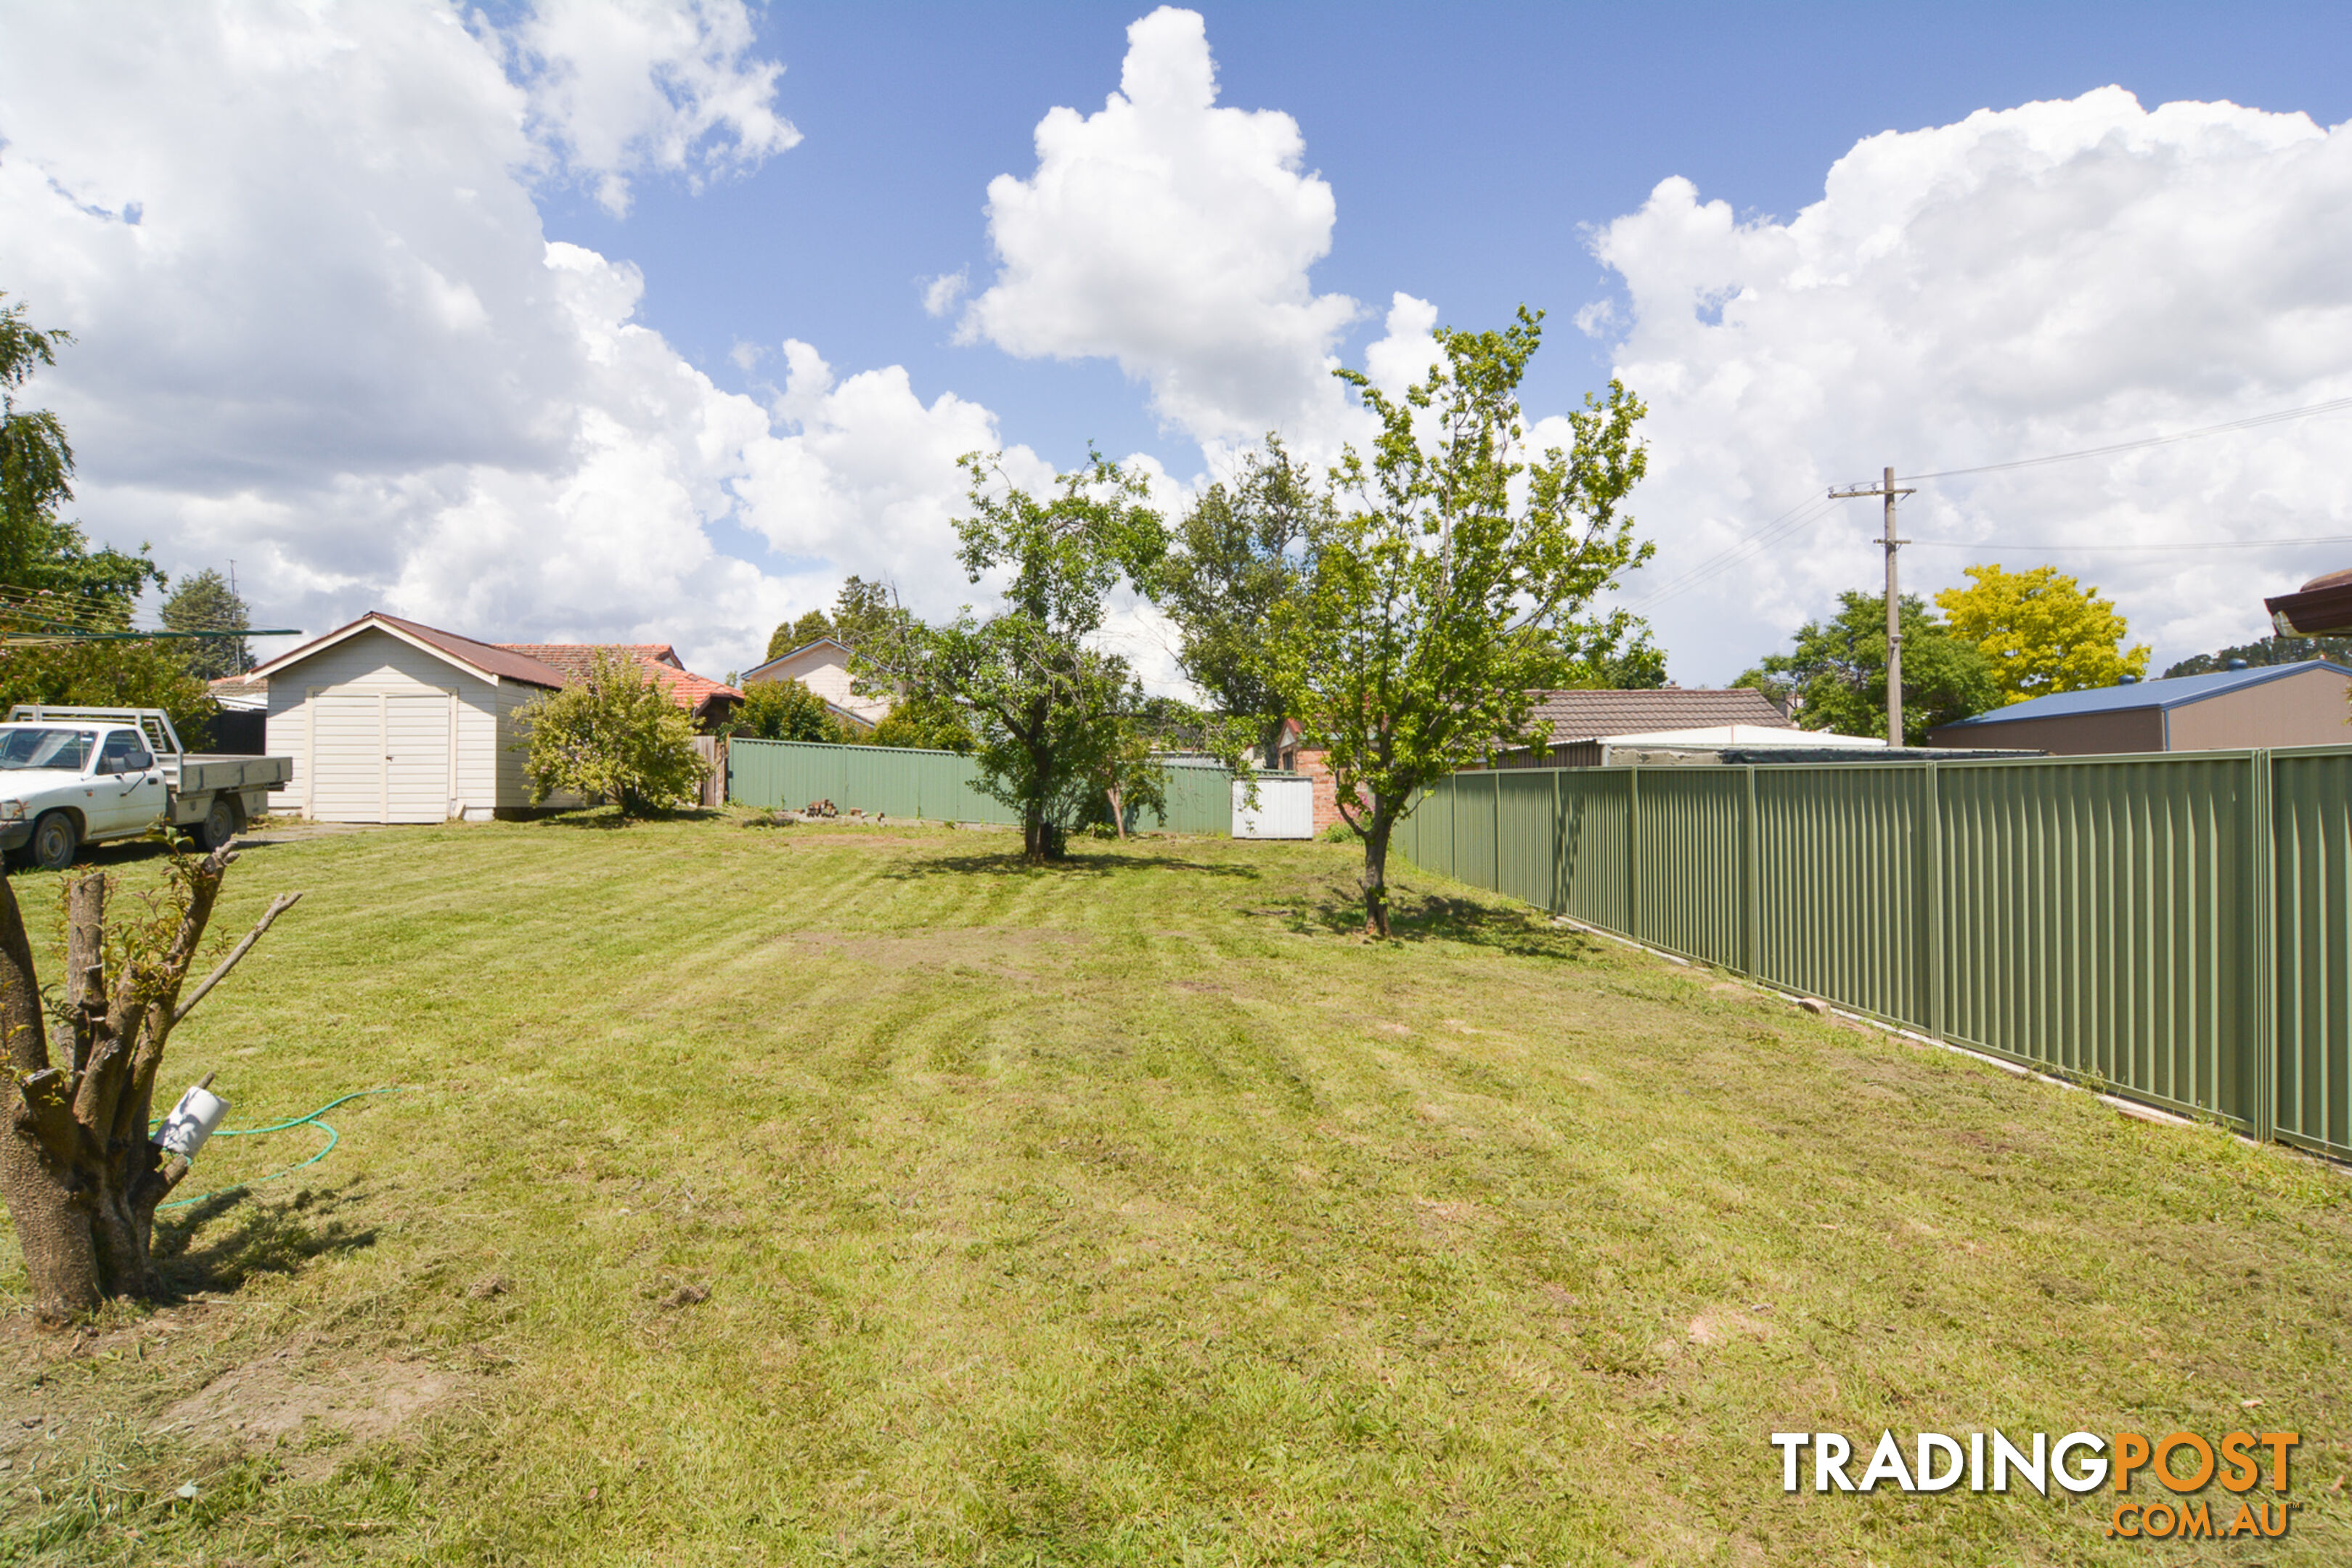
(333, 1138)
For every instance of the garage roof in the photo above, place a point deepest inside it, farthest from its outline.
(2173, 693)
(483, 659)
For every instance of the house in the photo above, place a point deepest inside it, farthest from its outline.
(823, 667)
(2274, 705)
(710, 703)
(388, 721)
(1581, 722)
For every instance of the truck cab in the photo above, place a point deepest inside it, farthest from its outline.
(71, 776)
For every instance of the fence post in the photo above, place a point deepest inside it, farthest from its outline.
(1931, 842)
(1633, 853)
(1751, 902)
(2264, 972)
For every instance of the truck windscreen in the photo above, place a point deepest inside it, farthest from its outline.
(23, 747)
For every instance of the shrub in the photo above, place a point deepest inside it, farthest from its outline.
(612, 735)
(786, 710)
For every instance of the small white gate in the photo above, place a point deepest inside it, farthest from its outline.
(1286, 809)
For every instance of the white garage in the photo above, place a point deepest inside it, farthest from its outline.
(387, 720)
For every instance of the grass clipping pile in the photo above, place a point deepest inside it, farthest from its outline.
(80, 1176)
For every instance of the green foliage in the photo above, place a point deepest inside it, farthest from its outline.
(612, 735)
(927, 724)
(37, 549)
(1836, 676)
(1245, 550)
(786, 710)
(2267, 652)
(864, 611)
(1614, 654)
(1051, 711)
(2043, 632)
(109, 675)
(790, 635)
(1453, 580)
(206, 603)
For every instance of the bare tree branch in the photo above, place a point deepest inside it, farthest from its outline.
(278, 906)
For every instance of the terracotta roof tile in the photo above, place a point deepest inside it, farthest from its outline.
(687, 689)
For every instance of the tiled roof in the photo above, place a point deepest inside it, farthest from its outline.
(2170, 693)
(687, 689)
(1589, 715)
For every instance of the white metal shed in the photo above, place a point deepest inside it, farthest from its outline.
(388, 721)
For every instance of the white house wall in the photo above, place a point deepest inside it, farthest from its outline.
(823, 671)
(374, 661)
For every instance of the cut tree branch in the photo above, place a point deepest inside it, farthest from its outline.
(278, 906)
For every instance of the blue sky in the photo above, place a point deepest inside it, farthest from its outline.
(1472, 148)
(579, 320)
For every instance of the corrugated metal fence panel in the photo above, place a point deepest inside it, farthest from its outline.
(1844, 909)
(1525, 810)
(1475, 805)
(1199, 800)
(2100, 922)
(2177, 928)
(1590, 834)
(2311, 808)
(1692, 864)
(936, 786)
(1433, 825)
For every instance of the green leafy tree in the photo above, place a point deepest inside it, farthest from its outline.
(786, 710)
(39, 551)
(1245, 550)
(2267, 652)
(2043, 632)
(1049, 706)
(789, 635)
(1457, 568)
(612, 736)
(927, 724)
(1836, 676)
(865, 611)
(1614, 654)
(206, 603)
(109, 675)
(37, 461)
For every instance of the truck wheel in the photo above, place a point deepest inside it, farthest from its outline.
(55, 839)
(218, 826)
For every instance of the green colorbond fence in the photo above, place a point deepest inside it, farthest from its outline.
(934, 786)
(2176, 929)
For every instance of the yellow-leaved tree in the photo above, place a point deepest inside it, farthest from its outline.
(2043, 631)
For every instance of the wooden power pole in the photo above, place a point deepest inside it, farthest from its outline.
(1893, 602)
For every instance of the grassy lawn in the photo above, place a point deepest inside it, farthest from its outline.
(842, 1195)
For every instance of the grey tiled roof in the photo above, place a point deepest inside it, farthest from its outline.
(1587, 715)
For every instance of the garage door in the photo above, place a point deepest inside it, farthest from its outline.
(380, 757)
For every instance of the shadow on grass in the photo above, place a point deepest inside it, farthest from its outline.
(608, 818)
(1078, 864)
(1339, 910)
(259, 1238)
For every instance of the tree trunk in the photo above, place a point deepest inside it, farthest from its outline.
(78, 1171)
(1118, 814)
(1376, 869)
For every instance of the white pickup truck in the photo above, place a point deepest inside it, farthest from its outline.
(72, 776)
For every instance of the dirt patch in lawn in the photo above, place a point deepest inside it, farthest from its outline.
(286, 1395)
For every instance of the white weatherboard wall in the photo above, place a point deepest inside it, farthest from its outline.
(381, 730)
(1286, 809)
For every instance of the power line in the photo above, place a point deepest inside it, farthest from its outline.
(2336, 405)
(2137, 549)
(1795, 520)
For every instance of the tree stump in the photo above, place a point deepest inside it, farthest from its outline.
(79, 1172)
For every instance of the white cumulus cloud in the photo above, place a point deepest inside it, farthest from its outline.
(2032, 280)
(620, 86)
(1175, 236)
(321, 331)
